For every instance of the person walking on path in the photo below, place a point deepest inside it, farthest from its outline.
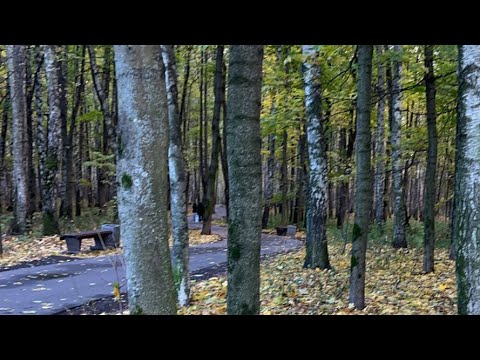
(201, 211)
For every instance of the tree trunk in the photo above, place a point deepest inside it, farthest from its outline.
(54, 140)
(16, 72)
(245, 174)
(284, 179)
(316, 243)
(182, 115)
(399, 237)
(300, 179)
(364, 181)
(142, 177)
(67, 201)
(29, 146)
(342, 188)
(467, 182)
(41, 143)
(202, 158)
(178, 186)
(269, 180)
(62, 58)
(3, 141)
(101, 85)
(209, 199)
(429, 200)
(380, 146)
(224, 146)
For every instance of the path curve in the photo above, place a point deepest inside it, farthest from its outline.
(50, 289)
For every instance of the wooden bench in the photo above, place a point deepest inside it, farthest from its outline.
(103, 240)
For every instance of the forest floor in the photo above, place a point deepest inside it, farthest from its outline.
(395, 285)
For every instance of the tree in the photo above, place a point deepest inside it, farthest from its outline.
(178, 186)
(364, 181)
(54, 140)
(102, 86)
(379, 145)
(467, 182)
(316, 244)
(16, 72)
(429, 200)
(3, 142)
(399, 237)
(245, 175)
(142, 169)
(67, 202)
(209, 195)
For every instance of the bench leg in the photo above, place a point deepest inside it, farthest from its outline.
(73, 245)
(98, 244)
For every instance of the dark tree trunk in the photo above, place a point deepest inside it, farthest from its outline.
(3, 140)
(209, 199)
(400, 221)
(342, 188)
(284, 179)
(364, 181)
(223, 152)
(429, 200)
(67, 201)
(299, 218)
(380, 146)
(182, 115)
(245, 174)
(101, 86)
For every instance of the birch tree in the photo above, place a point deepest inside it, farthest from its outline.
(467, 182)
(316, 243)
(16, 71)
(178, 186)
(54, 139)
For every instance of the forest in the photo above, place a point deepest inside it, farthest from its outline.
(332, 179)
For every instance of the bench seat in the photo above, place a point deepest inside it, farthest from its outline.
(103, 239)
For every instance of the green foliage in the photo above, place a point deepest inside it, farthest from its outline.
(101, 161)
(91, 117)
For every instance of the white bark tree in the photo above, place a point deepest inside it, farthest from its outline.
(54, 141)
(316, 244)
(178, 185)
(17, 79)
(467, 182)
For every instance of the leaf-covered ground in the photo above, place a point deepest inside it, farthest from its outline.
(18, 250)
(395, 285)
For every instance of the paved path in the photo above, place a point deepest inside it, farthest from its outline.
(54, 288)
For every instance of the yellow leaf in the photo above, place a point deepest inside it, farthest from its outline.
(116, 291)
(442, 287)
